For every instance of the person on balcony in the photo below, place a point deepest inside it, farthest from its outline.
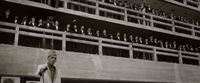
(16, 20)
(120, 3)
(131, 39)
(140, 40)
(97, 33)
(151, 38)
(49, 22)
(166, 44)
(82, 30)
(24, 20)
(126, 4)
(32, 22)
(111, 36)
(89, 31)
(146, 41)
(67, 29)
(174, 45)
(118, 36)
(75, 29)
(155, 42)
(74, 26)
(136, 39)
(124, 36)
(104, 35)
(7, 16)
(40, 23)
(160, 43)
(148, 9)
(56, 26)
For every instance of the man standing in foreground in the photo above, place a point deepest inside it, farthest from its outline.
(49, 73)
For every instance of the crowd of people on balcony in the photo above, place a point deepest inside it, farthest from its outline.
(143, 7)
(52, 23)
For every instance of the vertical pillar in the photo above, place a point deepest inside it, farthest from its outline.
(52, 42)
(64, 42)
(130, 51)
(155, 58)
(193, 31)
(173, 26)
(100, 48)
(65, 4)
(199, 60)
(16, 40)
(185, 2)
(199, 4)
(125, 15)
(151, 17)
(97, 8)
(180, 57)
(43, 41)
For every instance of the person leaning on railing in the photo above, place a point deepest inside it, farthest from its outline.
(32, 22)
(40, 23)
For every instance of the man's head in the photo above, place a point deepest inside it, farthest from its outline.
(52, 57)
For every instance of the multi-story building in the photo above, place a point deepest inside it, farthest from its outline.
(101, 41)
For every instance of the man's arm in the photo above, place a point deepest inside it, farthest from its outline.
(40, 70)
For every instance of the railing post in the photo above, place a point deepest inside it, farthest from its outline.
(125, 15)
(173, 26)
(52, 42)
(65, 4)
(185, 2)
(43, 41)
(63, 41)
(97, 8)
(130, 51)
(151, 17)
(180, 57)
(100, 47)
(16, 40)
(198, 3)
(155, 58)
(193, 31)
(199, 60)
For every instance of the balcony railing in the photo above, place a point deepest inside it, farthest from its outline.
(102, 9)
(67, 41)
(134, 16)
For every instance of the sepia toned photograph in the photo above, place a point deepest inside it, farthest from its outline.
(100, 41)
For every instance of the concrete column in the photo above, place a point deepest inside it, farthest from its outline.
(64, 42)
(180, 57)
(185, 2)
(130, 51)
(16, 40)
(65, 4)
(43, 41)
(151, 21)
(173, 26)
(125, 15)
(97, 8)
(193, 31)
(100, 47)
(155, 58)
